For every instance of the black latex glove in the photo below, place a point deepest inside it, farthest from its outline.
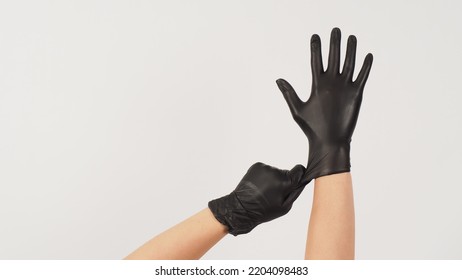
(264, 193)
(329, 116)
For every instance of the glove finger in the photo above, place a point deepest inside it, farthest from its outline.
(364, 73)
(296, 174)
(316, 57)
(290, 96)
(334, 51)
(305, 180)
(349, 65)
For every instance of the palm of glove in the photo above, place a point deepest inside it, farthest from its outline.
(333, 104)
(329, 116)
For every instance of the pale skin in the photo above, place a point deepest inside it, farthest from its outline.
(188, 240)
(331, 231)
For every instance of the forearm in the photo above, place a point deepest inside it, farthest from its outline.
(190, 239)
(331, 232)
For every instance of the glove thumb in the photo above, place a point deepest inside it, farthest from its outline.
(290, 96)
(296, 174)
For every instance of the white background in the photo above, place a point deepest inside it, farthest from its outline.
(119, 119)
(147, 270)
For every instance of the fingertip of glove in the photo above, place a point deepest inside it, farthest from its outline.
(280, 82)
(315, 38)
(336, 31)
(369, 58)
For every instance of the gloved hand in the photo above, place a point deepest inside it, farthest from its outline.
(264, 193)
(329, 116)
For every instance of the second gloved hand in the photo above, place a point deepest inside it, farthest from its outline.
(264, 193)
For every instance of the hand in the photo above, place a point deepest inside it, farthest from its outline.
(329, 117)
(264, 193)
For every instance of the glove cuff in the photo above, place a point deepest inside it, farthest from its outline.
(228, 211)
(328, 160)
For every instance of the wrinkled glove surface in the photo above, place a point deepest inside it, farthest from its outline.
(264, 193)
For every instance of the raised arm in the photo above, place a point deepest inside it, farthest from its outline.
(331, 231)
(328, 119)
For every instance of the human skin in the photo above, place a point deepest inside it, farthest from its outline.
(264, 193)
(188, 240)
(331, 230)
